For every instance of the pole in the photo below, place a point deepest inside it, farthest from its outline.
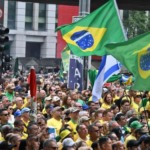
(123, 30)
(84, 9)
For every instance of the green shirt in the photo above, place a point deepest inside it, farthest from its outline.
(9, 96)
(81, 102)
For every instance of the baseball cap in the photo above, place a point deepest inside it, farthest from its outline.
(57, 108)
(17, 113)
(55, 99)
(24, 110)
(68, 142)
(85, 107)
(84, 118)
(48, 98)
(74, 109)
(64, 134)
(136, 125)
(49, 107)
(132, 143)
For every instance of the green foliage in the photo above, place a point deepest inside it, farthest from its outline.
(136, 22)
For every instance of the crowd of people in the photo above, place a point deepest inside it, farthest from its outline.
(69, 119)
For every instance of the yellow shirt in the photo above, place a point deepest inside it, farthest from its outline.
(89, 143)
(115, 98)
(135, 106)
(24, 136)
(105, 106)
(130, 137)
(1, 138)
(26, 125)
(55, 123)
(73, 126)
(147, 107)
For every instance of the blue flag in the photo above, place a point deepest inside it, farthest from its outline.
(75, 73)
(108, 67)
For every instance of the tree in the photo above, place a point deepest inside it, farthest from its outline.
(136, 22)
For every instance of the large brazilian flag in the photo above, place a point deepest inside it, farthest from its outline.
(134, 54)
(89, 35)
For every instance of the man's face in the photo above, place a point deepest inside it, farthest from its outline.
(92, 106)
(5, 101)
(52, 146)
(123, 120)
(4, 116)
(19, 101)
(35, 130)
(95, 132)
(26, 115)
(58, 113)
(83, 130)
(126, 107)
(108, 145)
(109, 116)
(74, 96)
(21, 126)
(75, 115)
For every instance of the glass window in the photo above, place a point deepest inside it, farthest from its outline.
(29, 16)
(11, 22)
(42, 17)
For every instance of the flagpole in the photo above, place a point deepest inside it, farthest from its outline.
(122, 27)
(84, 9)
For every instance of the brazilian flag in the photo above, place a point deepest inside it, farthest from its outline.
(89, 35)
(134, 54)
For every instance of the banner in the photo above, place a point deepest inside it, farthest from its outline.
(75, 73)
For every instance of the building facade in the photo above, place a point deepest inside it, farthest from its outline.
(32, 29)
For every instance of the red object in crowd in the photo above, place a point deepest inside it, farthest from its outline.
(32, 82)
(107, 84)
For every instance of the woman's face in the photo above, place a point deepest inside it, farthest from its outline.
(108, 98)
(116, 110)
(10, 109)
(69, 100)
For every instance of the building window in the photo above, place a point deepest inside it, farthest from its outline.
(42, 17)
(29, 16)
(11, 22)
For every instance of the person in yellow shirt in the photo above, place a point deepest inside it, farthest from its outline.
(5, 129)
(136, 102)
(18, 104)
(125, 106)
(94, 134)
(25, 117)
(56, 120)
(82, 133)
(108, 100)
(134, 126)
(19, 124)
(74, 115)
(114, 93)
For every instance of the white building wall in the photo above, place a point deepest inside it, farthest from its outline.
(48, 48)
(20, 36)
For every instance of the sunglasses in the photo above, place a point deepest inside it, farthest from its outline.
(96, 130)
(100, 127)
(5, 114)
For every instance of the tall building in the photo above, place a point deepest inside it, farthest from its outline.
(32, 29)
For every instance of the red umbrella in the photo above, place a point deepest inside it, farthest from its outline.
(32, 83)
